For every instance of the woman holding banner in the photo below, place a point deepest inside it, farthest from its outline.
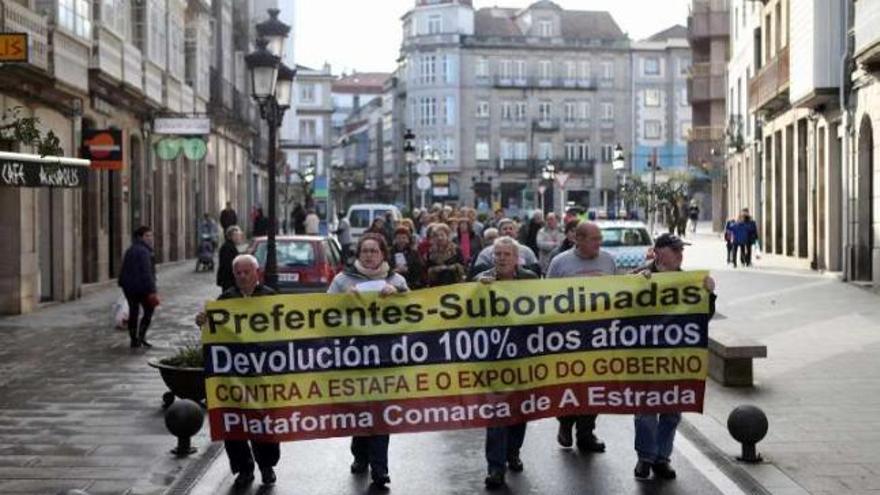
(656, 432)
(370, 273)
(503, 443)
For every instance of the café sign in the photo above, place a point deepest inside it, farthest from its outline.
(24, 170)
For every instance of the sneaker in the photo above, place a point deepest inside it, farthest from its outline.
(643, 470)
(359, 467)
(380, 479)
(268, 475)
(663, 471)
(515, 464)
(243, 479)
(564, 436)
(495, 480)
(591, 444)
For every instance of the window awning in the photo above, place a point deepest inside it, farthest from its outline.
(25, 170)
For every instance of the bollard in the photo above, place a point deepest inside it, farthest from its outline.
(748, 425)
(184, 419)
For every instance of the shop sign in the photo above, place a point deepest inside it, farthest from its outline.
(440, 183)
(103, 147)
(13, 47)
(22, 170)
(182, 126)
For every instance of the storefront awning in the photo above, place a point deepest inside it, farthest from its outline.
(25, 170)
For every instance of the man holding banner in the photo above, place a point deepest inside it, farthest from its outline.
(503, 443)
(242, 453)
(655, 433)
(588, 260)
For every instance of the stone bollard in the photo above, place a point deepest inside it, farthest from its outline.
(184, 419)
(748, 425)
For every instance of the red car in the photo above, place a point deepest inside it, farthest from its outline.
(306, 263)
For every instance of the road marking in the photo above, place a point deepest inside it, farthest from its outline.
(706, 467)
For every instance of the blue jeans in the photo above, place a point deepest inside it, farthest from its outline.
(654, 436)
(373, 450)
(502, 443)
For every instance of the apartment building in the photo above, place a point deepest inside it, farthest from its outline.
(121, 67)
(502, 92)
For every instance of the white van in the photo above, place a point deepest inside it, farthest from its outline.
(360, 216)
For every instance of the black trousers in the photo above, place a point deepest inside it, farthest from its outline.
(138, 331)
(585, 423)
(746, 254)
(242, 455)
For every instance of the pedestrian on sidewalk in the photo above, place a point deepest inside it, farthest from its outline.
(137, 278)
(261, 224)
(370, 266)
(740, 236)
(655, 433)
(312, 223)
(752, 231)
(728, 239)
(586, 259)
(228, 217)
(503, 443)
(228, 252)
(694, 215)
(243, 454)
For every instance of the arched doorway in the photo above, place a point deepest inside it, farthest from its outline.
(864, 237)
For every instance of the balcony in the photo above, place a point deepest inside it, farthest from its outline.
(515, 165)
(187, 99)
(108, 56)
(709, 19)
(768, 90)
(17, 19)
(545, 125)
(132, 67)
(578, 166)
(221, 91)
(706, 133)
(867, 35)
(511, 82)
(706, 83)
(303, 142)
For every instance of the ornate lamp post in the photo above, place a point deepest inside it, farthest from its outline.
(548, 173)
(272, 88)
(618, 164)
(409, 151)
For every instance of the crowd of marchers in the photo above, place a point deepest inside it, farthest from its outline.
(437, 247)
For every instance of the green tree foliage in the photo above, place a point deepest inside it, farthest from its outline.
(16, 129)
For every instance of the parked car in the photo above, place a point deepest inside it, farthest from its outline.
(306, 263)
(360, 216)
(627, 241)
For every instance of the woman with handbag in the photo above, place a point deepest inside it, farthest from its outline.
(137, 278)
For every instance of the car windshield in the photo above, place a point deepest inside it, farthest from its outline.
(359, 219)
(625, 236)
(289, 253)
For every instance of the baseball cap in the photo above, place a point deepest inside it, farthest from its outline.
(669, 240)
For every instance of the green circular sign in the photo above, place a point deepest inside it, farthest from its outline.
(169, 148)
(194, 149)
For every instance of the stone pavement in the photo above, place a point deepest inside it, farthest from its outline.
(79, 409)
(820, 385)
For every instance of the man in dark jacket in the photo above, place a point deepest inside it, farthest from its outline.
(137, 278)
(242, 453)
(503, 443)
(228, 252)
(228, 217)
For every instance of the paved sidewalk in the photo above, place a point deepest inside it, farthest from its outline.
(78, 408)
(820, 385)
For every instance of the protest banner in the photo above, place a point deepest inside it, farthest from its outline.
(298, 367)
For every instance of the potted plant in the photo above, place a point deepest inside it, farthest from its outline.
(183, 373)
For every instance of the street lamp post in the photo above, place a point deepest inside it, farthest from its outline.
(409, 151)
(618, 164)
(548, 174)
(272, 88)
(431, 156)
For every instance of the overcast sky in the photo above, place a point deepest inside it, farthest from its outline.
(365, 34)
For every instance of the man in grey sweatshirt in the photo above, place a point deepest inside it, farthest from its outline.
(585, 259)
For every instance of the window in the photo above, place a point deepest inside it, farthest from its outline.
(482, 69)
(307, 130)
(428, 111)
(545, 150)
(652, 97)
(159, 34)
(76, 17)
(428, 69)
(570, 111)
(520, 111)
(435, 24)
(545, 111)
(506, 149)
(684, 66)
(520, 150)
(519, 69)
(583, 151)
(448, 149)
(114, 14)
(545, 69)
(507, 111)
(506, 69)
(307, 93)
(584, 72)
(447, 62)
(175, 50)
(481, 152)
(570, 151)
(584, 110)
(652, 129)
(608, 70)
(483, 109)
(607, 152)
(570, 70)
(450, 110)
(545, 28)
(607, 111)
(651, 67)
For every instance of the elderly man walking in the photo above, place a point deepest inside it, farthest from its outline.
(588, 260)
(243, 454)
(503, 443)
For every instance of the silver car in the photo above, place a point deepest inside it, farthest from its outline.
(627, 241)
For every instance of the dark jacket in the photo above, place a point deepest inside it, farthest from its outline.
(261, 226)
(453, 270)
(235, 293)
(653, 268)
(521, 274)
(228, 218)
(138, 273)
(225, 278)
(751, 229)
(415, 268)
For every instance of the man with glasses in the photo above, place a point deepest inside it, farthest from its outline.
(586, 259)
